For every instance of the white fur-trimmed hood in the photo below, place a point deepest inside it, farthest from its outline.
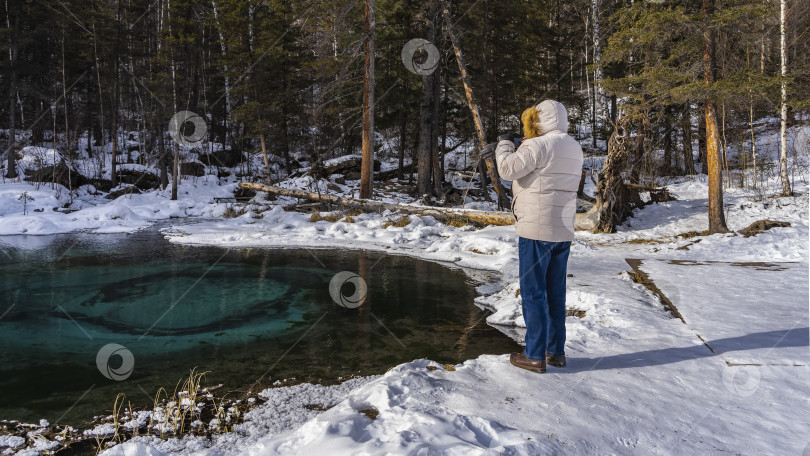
(551, 116)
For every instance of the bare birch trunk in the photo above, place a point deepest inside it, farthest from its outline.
(176, 158)
(753, 138)
(783, 171)
(600, 100)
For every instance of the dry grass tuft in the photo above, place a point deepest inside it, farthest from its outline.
(398, 223)
(644, 241)
(691, 234)
(458, 222)
(230, 212)
(371, 413)
(575, 313)
(333, 217)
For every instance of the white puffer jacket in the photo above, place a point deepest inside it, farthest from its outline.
(545, 173)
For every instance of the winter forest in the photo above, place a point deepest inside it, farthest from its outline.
(271, 227)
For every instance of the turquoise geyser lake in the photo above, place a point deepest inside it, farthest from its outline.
(242, 315)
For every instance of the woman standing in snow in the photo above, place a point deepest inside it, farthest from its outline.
(545, 171)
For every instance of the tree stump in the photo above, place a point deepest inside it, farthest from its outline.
(615, 201)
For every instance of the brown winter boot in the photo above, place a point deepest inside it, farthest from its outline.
(555, 360)
(520, 360)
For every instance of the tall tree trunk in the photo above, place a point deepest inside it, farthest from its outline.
(762, 48)
(704, 167)
(97, 64)
(588, 88)
(783, 171)
(285, 133)
(488, 98)
(115, 98)
(368, 105)
(717, 219)
(266, 158)
(613, 109)
(285, 139)
(597, 58)
(686, 127)
(503, 199)
(557, 50)
(11, 153)
(175, 170)
(226, 80)
(638, 154)
(68, 154)
(426, 140)
(176, 157)
(163, 162)
(667, 168)
(724, 142)
(436, 86)
(403, 137)
(435, 151)
(113, 158)
(443, 145)
(67, 125)
(423, 164)
(753, 138)
(114, 128)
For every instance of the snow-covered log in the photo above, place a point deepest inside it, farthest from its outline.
(444, 215)
(473, 217)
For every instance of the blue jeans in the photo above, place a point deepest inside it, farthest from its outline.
(543, 267)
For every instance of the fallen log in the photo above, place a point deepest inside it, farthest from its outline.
(760, 226)
(472, 217)
(583, 220)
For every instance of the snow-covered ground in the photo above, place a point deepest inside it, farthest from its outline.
(731, 378)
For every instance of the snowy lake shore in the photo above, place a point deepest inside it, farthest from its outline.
(728, 378)
(639, 380)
